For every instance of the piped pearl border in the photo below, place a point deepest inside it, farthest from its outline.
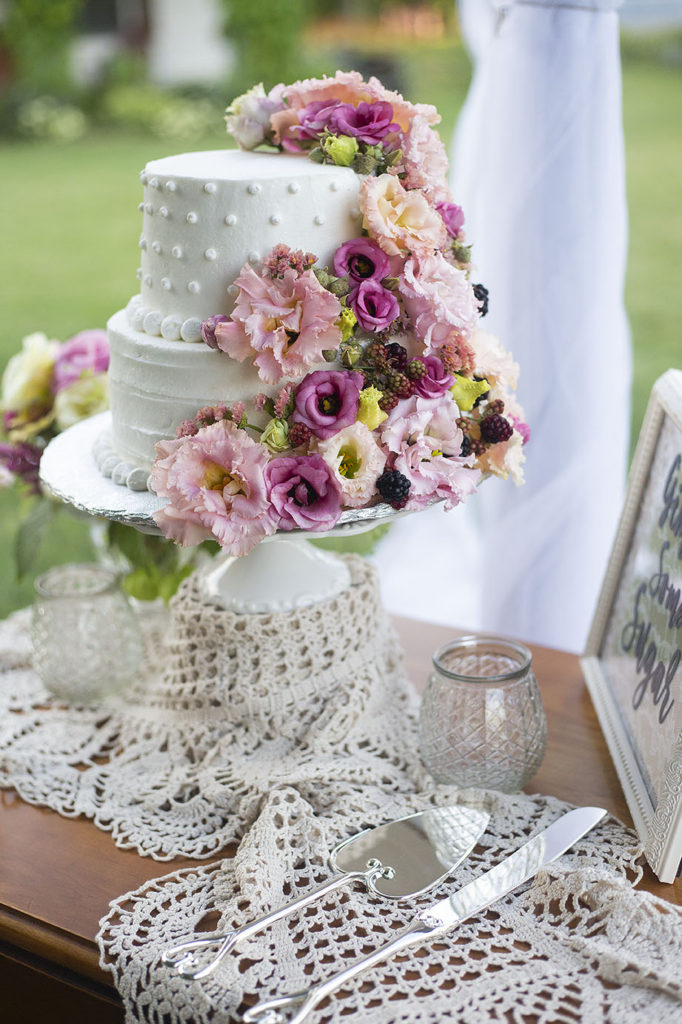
(116, 469)
(153, 322)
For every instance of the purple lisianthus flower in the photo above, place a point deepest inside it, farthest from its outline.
(22, 460)
(374, 306)
(368, 122)
(436, 381)
(362, 259)
(326, 401)
(453, 217)
(522, 427)
(314, 118)
(303, 492)
(85, 353)
(208, 329)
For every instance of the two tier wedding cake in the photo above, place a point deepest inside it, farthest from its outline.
(306, 338)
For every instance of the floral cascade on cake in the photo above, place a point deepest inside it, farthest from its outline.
(379, 384)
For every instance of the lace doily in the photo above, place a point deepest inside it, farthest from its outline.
(227, 706)
(580, 944)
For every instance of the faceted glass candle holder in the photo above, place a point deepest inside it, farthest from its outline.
(481, 720)
(86, 638)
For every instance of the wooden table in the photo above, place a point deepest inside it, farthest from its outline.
(58, 875)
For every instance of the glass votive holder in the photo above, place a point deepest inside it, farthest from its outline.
(481, 721)
(86, 638)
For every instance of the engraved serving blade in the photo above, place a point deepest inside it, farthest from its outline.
(509, 874)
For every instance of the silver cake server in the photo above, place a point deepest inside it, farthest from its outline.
(397, 861)
(439, 918)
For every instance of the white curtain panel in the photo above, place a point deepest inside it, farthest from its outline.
(538, 165)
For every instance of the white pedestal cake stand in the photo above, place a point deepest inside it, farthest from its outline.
(282, 573)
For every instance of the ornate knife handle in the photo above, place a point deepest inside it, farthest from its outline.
(185, 961)
(271, 1011)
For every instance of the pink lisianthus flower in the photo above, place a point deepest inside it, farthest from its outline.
(453, 217)
(401, 221)
(303, 492)
(425, 160)
(85, 353)
(208, 327)
(215, 483)
(435, 475)
(286, 323)
(433, 420)
(375, 307)
(521, 427)
(362, 259)
(356, 460)
(326, 401)
(438, 297)
(436, 380)
(367, 122)
(314, 119)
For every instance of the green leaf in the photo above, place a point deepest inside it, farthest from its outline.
(30, 534)
(358, 544)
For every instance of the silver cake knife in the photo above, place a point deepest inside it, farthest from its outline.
(439, 918)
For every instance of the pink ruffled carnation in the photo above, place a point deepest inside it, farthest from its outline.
(492, 361)
(87, 353)
(433, 475)
(285, 323)
(303, 492)
(433, 420)
(401, 221)
(216, 488)
(425, 160)
(438, 297)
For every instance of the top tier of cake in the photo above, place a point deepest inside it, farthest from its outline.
(206, 214)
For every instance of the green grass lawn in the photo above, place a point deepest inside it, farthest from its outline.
(70, 226)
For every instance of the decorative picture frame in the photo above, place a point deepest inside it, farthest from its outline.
(633, 659)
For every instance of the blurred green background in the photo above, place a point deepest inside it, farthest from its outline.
(70, 156)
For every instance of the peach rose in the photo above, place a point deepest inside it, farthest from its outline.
(401, 221)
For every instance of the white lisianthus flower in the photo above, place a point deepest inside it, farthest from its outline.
(505, 459)
(248, 116)
(356, 460)
(85, 397)
(26, 382)
(492, 361)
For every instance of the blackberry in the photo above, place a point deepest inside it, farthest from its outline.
(376, 354)
(495, 429)
(394, 488)
(481, 293)
(495, 407)
(299, 434)
(397, 356)
(416, 369)
(466, 447)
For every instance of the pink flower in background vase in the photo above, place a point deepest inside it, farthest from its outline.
(86, 354)
(453, 217)
(433, 420)
(433, 475)
(362, 259)
(436, 381)
(215, 484)
(284, 324)
(438, 297)
(303, 492)
(326, 401)
(375, 307)
(20, 460)
(368, 122)
(356, 460)
(401, 221)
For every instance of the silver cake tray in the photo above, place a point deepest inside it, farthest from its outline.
(69, 473)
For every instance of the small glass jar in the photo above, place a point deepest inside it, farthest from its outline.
(86, 638)
(481, 720)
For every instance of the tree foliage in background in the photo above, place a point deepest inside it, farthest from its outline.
(37, 35)
(267, 40)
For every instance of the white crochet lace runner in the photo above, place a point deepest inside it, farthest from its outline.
(228, 706)
(579, 946)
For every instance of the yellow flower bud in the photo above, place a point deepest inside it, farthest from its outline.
(369, 412)
(465, 391)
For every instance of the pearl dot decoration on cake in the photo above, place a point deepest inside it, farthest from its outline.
(254, 256)
(156, 246)
(318, 219)
(193, 287)
(210, 188)
(231, 220)
(232, 290)
(293, 187)
(210, 255)
(140, 207)
(143, 177)
(152, 322)
(176, 251)
(171, 186)
(275, 218)
(143, 243)
(164, 211)
(334, 186)
(170, 328)
(148, 209)
(138, 273)
(192, 217)
(148, 280)
(154, 183)
(191, 330)
(253, 189)
(166, 284)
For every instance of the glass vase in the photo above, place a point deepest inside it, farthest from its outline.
(482, 722)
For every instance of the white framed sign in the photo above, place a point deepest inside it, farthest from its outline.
(633, 660)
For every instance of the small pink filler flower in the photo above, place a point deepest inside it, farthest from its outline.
(216, 485)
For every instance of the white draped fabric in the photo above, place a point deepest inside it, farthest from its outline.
(538, 166)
